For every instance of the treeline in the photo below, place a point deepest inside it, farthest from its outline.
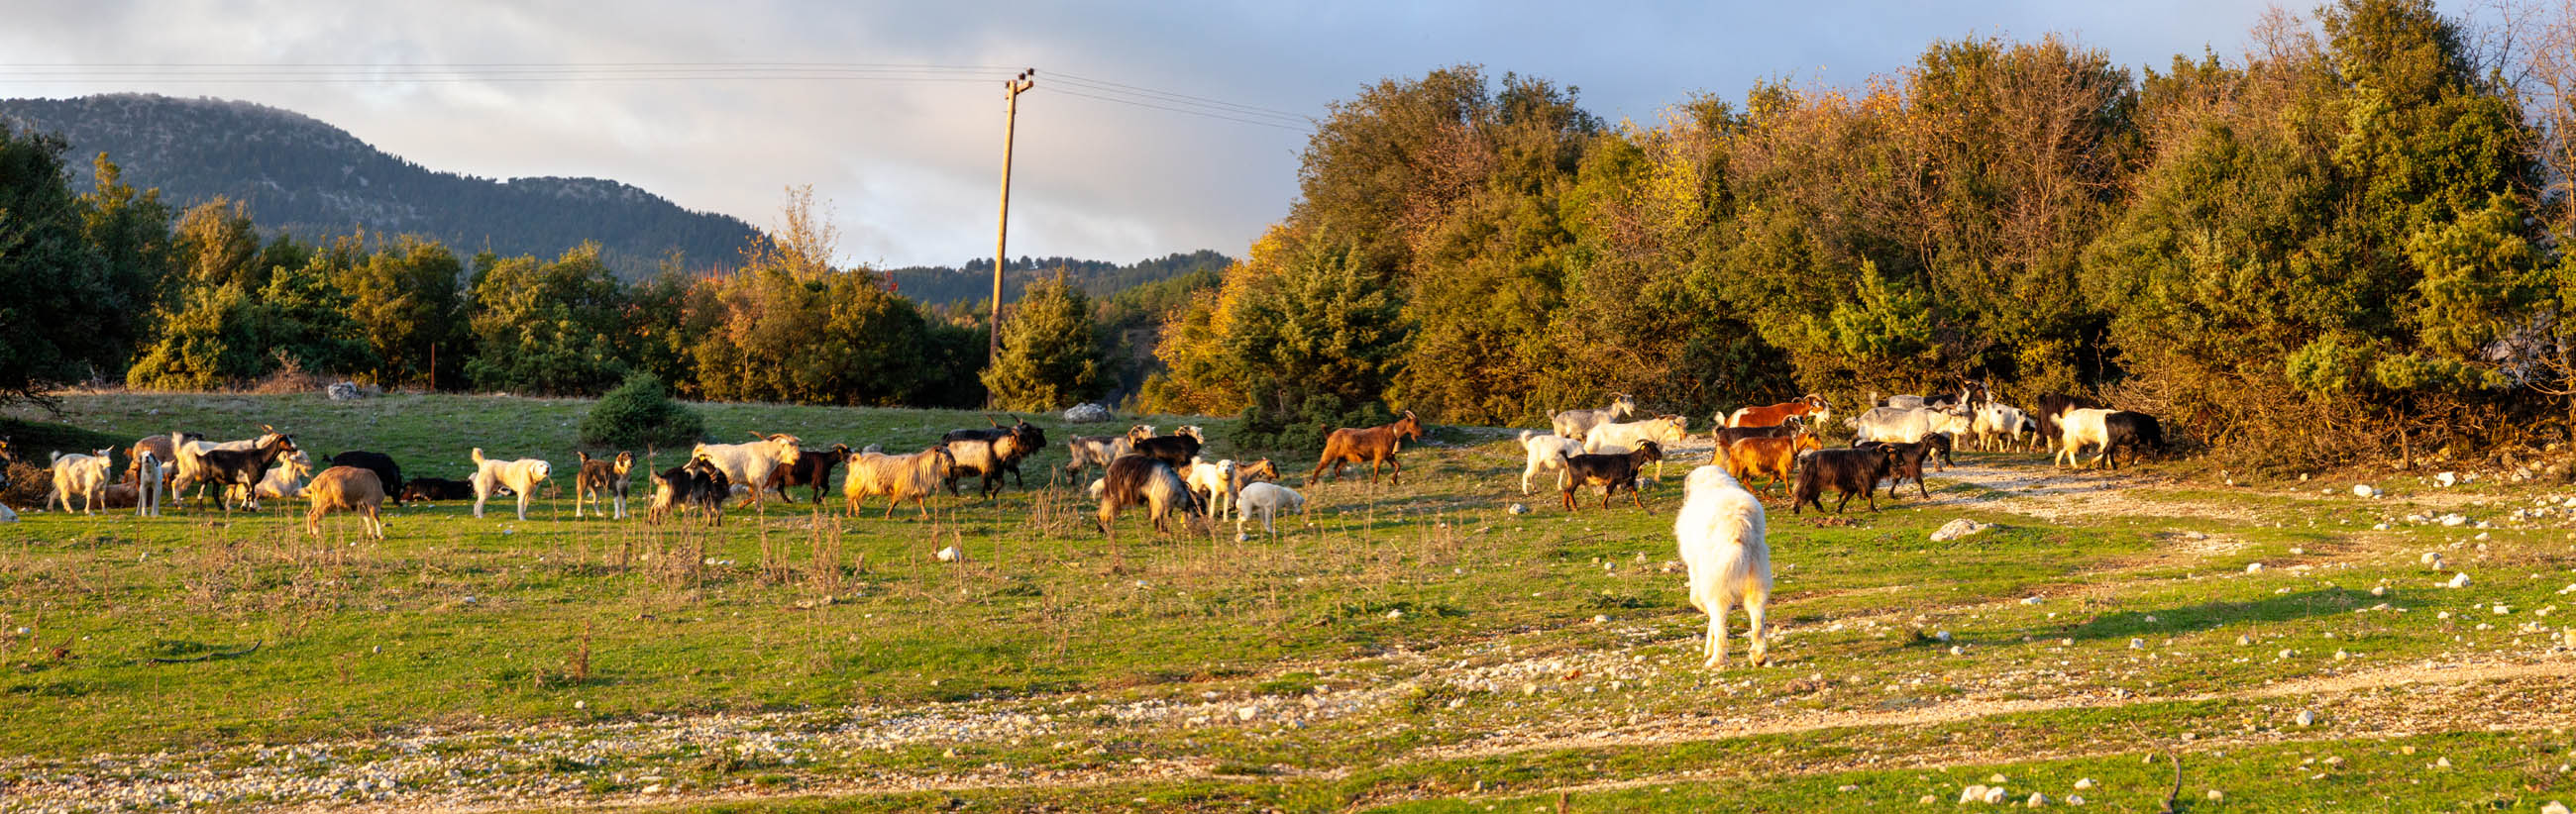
(109, 285)
(973, 284)
(2348, 243)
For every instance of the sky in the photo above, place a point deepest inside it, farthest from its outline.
(908, 152)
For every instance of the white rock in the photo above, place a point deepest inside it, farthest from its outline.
(2242, 641)
(1927, 800)
(2287, 653)
(2446, 478)
(2501, 610)
(2036, 800)
(1972, 794)
(2307, 718)
(2030, 600)
(580, 705)
(951, 554)
(2075, 799)
(2083, 783)
(2215, 796)
(2442, 762)
(2454, 519)
(1517, 508)
(1395, 614)
(2554, 807)
(2137, 644)
(1942, 635)
(2459, 580)
(2363, 490)
(1600, 618)
(1247, 713)
(2341, 655)
(1958, 528)
(1956, 650)
(1995, 795)
(2253, 568)
(2379, 590)
(1086, 414)
(1997, 779)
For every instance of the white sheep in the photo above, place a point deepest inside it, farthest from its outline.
(1720, 531)
(1269, 499)
(1547, 453)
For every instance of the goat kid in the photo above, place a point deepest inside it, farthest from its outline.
(1612, 473)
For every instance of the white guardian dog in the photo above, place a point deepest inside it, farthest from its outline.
(1720, 530)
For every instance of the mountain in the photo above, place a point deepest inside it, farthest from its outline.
(948, 285)
(305, 177)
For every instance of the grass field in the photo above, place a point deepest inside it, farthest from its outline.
(1413, 648)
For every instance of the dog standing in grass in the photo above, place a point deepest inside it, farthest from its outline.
(522, 476)
(602, 477)
(1720, 530)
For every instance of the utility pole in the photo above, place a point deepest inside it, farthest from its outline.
(1002, 232)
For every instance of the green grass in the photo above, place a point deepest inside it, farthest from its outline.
(1440, 617)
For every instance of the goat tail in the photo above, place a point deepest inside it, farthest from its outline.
(478, 457)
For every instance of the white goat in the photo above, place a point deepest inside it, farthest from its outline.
(1269, 499)
(1620, 439)
(1908, 424)
(1720, 530)
(287, 480)
(1576, 423)
(522, 476)
(1996, 423)
(749, 465)
(1547, 453)
(84, 476)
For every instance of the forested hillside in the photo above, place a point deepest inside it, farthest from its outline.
(310, 179)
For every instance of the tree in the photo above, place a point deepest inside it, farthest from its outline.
(406, 300)
(1050, 355)
(546, 327)
(640, 413)
(62, 290)
(131, 231)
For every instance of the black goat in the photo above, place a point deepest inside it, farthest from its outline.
(389, 473)
(437, 489)
(1908, 465)
(2140, 432)
(1175, 450)
(227, 468)
(1610, 472)
(697, 484)
(1727, 436)
(1849, 471)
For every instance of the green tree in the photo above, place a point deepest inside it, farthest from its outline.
(62, 291)
(1050, 356)
(131, 231)
(406, 299)
(640, 413)
(547, 327)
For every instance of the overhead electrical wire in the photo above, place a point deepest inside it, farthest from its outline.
(367, 73)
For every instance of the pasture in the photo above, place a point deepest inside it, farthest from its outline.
(1413, 648)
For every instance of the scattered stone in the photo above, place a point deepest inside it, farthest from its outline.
(344, 391)
(2379, 590)
(1942, 635)
(2341, 655)
(2253, 568)
(2030, 600)
(1958, 528)
(2459, 580)
(2137, 644)
(1927, 800)
(1600, 618)
(1972, 794)
(2242, 641)
(2036, 800)
(1847, 788)
(2083, 783)
(2364, 490)
(2075, 799)
(2554, 807)
(2215, 796)
(1518, 508)
(1086, 414)
(1395, 614)
(2454, 519)
(1956, 650)
(1995, 795)
(950, 554)
(2446, 478)
(2441, 763)
(2307, 718)
(2287, 653)
(1246, 713)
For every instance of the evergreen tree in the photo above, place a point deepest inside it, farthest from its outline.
(1050, 358)
(61, 290)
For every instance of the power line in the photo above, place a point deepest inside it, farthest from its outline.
(217, 73)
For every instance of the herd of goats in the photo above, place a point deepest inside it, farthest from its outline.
(1165, 474)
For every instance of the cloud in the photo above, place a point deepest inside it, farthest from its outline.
(912, 166)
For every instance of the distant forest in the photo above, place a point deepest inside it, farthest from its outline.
(945, 285)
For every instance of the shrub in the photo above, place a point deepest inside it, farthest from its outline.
(640, 413)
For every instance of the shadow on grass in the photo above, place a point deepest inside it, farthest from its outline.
(2208, 615)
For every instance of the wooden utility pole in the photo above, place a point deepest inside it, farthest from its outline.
(1002, 231)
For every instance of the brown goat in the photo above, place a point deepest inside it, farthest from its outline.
(813, 468)
(1772, 415)
(1771, 458)
(346, 489)
(1374, 446)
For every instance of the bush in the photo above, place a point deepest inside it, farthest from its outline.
(1299, 423)
(640, 413)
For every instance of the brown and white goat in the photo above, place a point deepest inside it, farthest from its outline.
(898, 477)
(244, 468)
(602, 479)
(1098, 450)
(813, 468)
(346, 489)
(749, 465)
(1375, 446)
(1139, 479)
(1809, 406)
